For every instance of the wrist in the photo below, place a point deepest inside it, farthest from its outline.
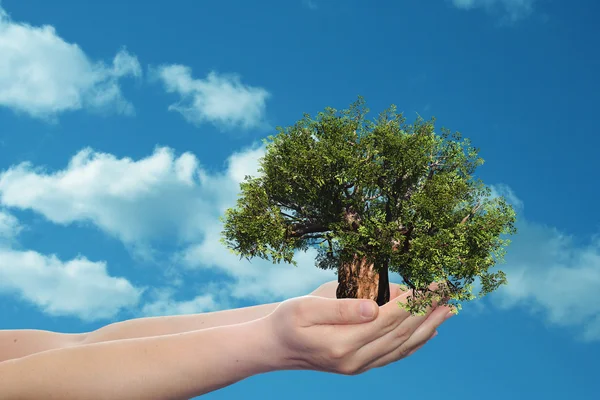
(255, 348)
(277, 353)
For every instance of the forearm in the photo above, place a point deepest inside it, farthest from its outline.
(178, 366)
(23, 342)
(157, 326)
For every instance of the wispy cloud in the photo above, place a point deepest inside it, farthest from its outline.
(10, 227)
(555, 277)
(310, 4)
(513, 10)
(42, 75)
(551, 274)
(78, 287)
(164, 303)
(219, 99)
(160, 196)
(510, 196)
(119, 195)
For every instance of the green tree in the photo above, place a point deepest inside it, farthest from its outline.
(375, 196)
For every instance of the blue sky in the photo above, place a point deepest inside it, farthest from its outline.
(126, 127)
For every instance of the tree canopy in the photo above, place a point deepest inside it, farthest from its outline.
(398, 195)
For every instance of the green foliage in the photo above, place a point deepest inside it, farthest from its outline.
(397, 194)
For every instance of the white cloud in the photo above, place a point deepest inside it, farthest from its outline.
(78, 287)
(552, 275)
(258, 279)
(220, 99)
(135, 201)
(9, 227)
(310, 4)
(43, 75)
(160, 196)
(508, 194)
(513, 9)
(164, 304)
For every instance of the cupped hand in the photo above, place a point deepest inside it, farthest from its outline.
(349, 336)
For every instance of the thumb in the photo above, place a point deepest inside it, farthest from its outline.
(341, 311)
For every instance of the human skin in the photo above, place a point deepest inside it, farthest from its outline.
(21, 343)
(309, 332)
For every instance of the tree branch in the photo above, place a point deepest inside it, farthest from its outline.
(313, 236)
(452, 285)
(472, 213)
(290, 216)
(298, 230)
(370, 198)
(293, 207)
(300, 210)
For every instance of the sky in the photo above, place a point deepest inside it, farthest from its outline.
(126, 128)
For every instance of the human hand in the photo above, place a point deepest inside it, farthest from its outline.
(331, 335)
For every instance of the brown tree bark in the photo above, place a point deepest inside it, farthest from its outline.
(360, 280)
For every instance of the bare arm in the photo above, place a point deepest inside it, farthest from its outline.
(308, 332)
(177, 366)
(21, 343)
(157, 326)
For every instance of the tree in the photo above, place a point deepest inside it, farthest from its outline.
(375, 196)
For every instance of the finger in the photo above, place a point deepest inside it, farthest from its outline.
(361, 334)
(423, 333)
(392, 313)
(430, 326)
(408, 327)
(324, 311)
(421, 346)
(386, 340)
(393, 356)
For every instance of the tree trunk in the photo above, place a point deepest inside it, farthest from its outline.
(360, 280)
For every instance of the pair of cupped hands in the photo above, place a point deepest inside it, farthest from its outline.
(351, 336)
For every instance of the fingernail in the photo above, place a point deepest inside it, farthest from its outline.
(434, 334)
(449, 315)
(367, 309)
